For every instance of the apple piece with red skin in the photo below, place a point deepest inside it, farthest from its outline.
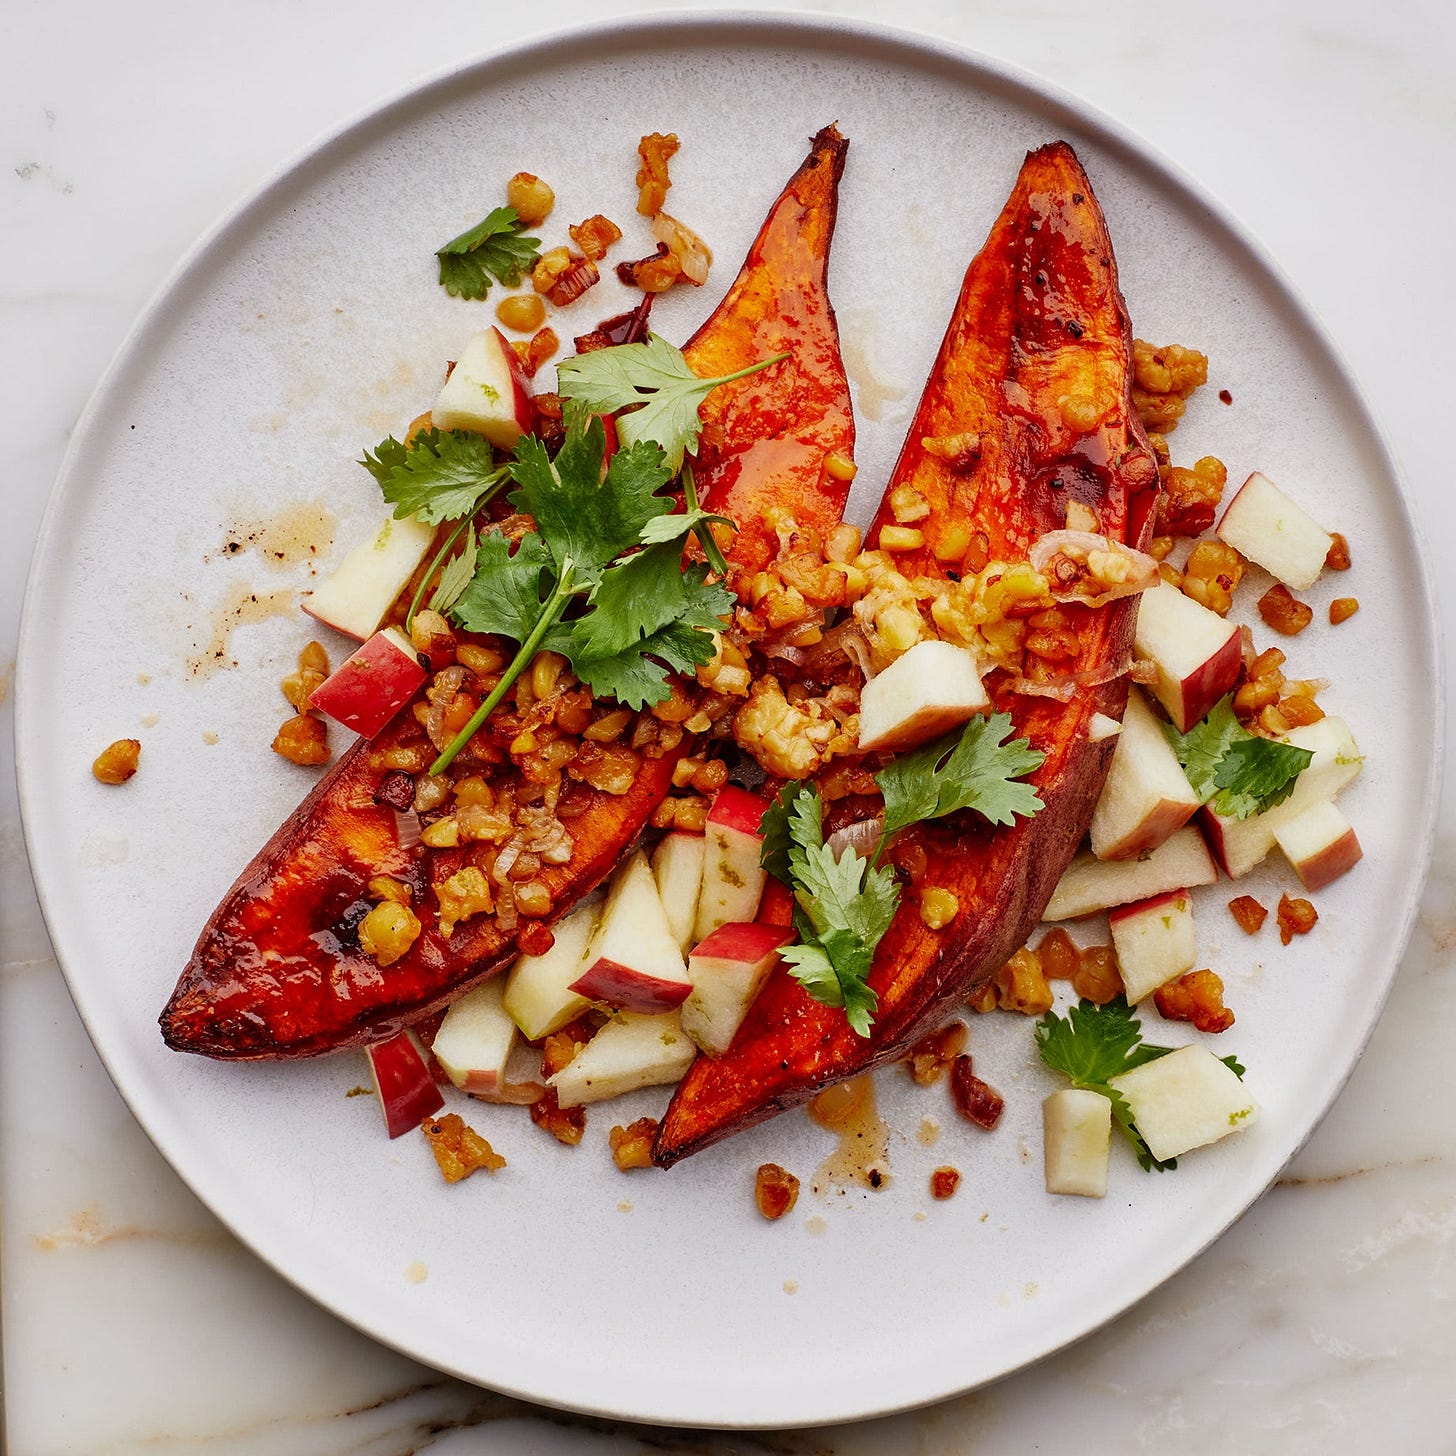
(727, 971)
(1240, 844)
(1147, 796)
(1090, 884)
(634, 961)
(1320, 843)
(925, 692)
(538, 995)
(475, 1040)
(1263, 524)
(733, 879)
(369, 687)
(359, 594)
(1196, 653)
(402, 1082)
(677, 866)
(1155, 942)
(487, 392)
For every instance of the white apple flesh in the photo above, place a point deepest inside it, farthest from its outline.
(1090, 884)
(487, 392)
(634, 960)
(727, 971)
(368, 688)
(355, 599)
(677, 866)
(1320, 844)
(1155, 942)
(630, 1051)
(1185, 1100)
(925, 692)
(1240, 844)
(733, 879)
(402, 1082)
(1196, 653)
(538, 995)
(1147, 796)
(1264, 525)
(476, 1038)
(1076, 1130)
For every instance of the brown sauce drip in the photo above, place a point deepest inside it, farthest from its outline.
(849, 1111)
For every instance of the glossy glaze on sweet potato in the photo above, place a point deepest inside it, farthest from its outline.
(1039, 321)
(278, 972)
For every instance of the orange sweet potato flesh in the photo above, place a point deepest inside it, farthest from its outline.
(1039, 319)
(277, 972)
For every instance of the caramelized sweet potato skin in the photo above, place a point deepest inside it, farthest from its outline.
(1039, 321)
(277, 971)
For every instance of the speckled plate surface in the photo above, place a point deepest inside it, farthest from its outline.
(219, 448)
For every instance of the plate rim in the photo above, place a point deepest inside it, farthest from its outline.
(695, 28)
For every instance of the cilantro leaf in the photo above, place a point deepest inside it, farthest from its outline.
(677, 525)
(438, 476)
(653, 382)
(1094, 1044)
(455, 575)
(493, 249)
(970, 768)
(1237, 772)
(504, 596)
(578, 513)
(843, 907)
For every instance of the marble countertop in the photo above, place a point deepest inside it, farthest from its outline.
(1324, 1320)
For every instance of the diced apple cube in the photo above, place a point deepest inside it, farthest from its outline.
(630, 1051)
(1146, 796)
(1240, 844)
(487, 392)
(1319, 843)
(407, 1093)
(1185, 1100)
(677, 866)
(1076, 1135)
(925, 692)
(356, 597)
(538, 994)
(1196, 653)
(475, 1039)
(727, 971)
(1264, 525)
(1155, 942)
(732, 876)
(368, 688)
(633, 960)
(1091, 884)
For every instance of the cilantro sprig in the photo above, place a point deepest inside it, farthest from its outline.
(1237, 772)
(842, 907)
(495, 248)
(643, 615)
(969, 768)
(1093, 1044)
(650, 388)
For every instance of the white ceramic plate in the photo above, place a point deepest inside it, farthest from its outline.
(307, 327)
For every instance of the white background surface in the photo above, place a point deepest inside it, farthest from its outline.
(1323, 1321)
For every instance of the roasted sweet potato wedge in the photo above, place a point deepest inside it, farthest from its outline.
(1027, 409)
(278, 971)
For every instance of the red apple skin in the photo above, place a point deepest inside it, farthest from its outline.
(524, 401)
(1212, 832)
(1203, 688)
(1330, 862)
(1164, 822)
(737, 809)
(628, 988)
(407, 1092)
(1121, 912)
(370, 687)
(743, 942)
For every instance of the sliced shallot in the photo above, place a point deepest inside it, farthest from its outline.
(1102, 569)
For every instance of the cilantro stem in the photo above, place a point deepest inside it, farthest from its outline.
(440, 555)
(704, 533)
(551, 611)
(748, 369)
